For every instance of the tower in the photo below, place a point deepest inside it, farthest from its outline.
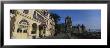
(68, 25)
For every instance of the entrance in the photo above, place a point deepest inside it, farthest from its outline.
(34, 28)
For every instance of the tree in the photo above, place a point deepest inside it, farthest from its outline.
(62, 27)
(56, 18)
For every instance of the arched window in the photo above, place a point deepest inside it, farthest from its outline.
(23, 26)
(26, 11)
(34, 25)
(24, 22)
(34, 15)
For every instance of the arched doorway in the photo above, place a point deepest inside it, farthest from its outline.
(34, 28)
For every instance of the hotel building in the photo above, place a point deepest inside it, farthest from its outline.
(31, 24)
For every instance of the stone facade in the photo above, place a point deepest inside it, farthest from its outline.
(31, 24)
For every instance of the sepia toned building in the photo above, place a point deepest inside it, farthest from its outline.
(31, 24)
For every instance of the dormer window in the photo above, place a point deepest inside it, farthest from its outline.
(26, 11)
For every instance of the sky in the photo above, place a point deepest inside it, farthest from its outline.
(90, 18)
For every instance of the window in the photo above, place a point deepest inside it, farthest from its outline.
(25, 31)
(19, 30)
(33, 32)
(34, 15)
(34, 25)
(26, 11)
(33, 37)
(13, 11)
(24, 22)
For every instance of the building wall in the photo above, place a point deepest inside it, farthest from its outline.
(29, 17)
